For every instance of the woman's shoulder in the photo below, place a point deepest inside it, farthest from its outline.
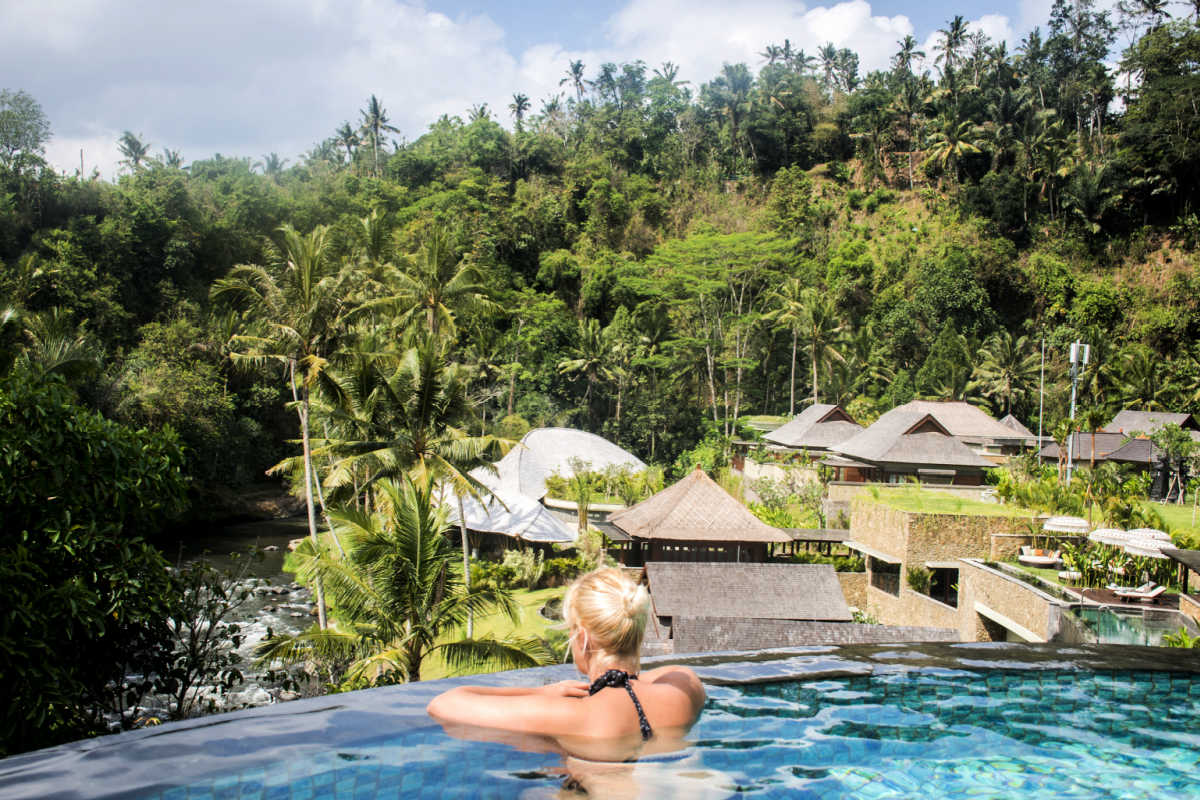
(678, 677)
(671, 673)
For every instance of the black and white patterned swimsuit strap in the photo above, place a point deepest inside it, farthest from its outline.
(620, 678)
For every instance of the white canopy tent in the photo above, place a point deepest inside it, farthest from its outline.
(511, 514)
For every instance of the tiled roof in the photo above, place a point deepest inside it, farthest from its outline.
(746, 591)
(818, 427)
(1131, 422)
(695, 509)
(964, 420)
(1136, 451)
(1009, 421)
(908, 436)
(1105, 443)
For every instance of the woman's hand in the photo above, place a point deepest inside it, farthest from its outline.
(566, 689)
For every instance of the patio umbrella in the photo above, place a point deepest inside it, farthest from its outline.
(1145, 548)
(1113, 536)
(1150, 533)
(1077, 525)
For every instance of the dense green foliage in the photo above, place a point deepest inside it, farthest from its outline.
(85, 599)
(652, 260)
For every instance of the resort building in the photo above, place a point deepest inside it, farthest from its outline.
(758, 606)
(993, 439)
(1144, 423)
(908, 443)
(694, 520)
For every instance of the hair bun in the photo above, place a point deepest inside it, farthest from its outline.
(637, 599)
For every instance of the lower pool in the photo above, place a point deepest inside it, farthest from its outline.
(930, 721)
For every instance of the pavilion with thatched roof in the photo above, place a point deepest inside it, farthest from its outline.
(695, 520)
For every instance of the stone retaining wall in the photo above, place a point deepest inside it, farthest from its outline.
(1189, 604)
(854, 588)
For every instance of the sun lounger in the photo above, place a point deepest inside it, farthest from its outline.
(1147, 596)
(1036, 557)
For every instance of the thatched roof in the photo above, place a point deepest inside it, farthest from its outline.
(1147, 422)
(910, 437)
(746, 591)
(546, 451)
(965, 421)
(1009, 421)
(695, 509)
(818, 427)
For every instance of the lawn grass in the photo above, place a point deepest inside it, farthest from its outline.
(531, 623)
(927, 501)
(1179, 521)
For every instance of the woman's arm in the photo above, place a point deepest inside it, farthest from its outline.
(554, 709)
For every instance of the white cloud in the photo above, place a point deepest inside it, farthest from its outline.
(245, 78)
(700, 35)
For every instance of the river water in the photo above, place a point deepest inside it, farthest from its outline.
(277, 604)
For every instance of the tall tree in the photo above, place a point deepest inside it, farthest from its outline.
(821, 327)
(1007, 368)
(24, 129)
(297, 307)
(374, 124)
(519, 106)
(575, 79)
(134, 150)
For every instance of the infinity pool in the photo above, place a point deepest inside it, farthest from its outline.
(926, 721)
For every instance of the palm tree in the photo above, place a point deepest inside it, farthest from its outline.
(1007, 368)
(437, 285)
(55, 345)
(297, 311)
(772, 54)
(479, 111)
(902, 62)
(347, 137)
(399, 593)
(790, 314)
(409, 422)
(134, 150)
(1092, 419)
(802, 63)
(953, 37)
(374, 124)
(518, 107)
(591, 358)
(172, 158)
(575, 79)
(948, 144)
(272, 165)
(821, 327)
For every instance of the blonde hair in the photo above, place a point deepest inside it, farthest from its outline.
(612, 608)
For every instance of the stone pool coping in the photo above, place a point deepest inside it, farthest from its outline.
(151, 760)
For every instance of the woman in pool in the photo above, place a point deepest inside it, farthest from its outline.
(606, 612)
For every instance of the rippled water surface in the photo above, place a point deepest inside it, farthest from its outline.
(898, 733)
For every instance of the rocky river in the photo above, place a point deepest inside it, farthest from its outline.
(276, 602)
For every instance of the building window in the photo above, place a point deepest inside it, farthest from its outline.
(943, 586)
(885, 576)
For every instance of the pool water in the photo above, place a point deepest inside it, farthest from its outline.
(897, 733)
(1129, 627)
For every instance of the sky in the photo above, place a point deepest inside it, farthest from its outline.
(250, 77)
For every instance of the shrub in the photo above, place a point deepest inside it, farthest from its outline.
(918, 579)
(84, 598)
